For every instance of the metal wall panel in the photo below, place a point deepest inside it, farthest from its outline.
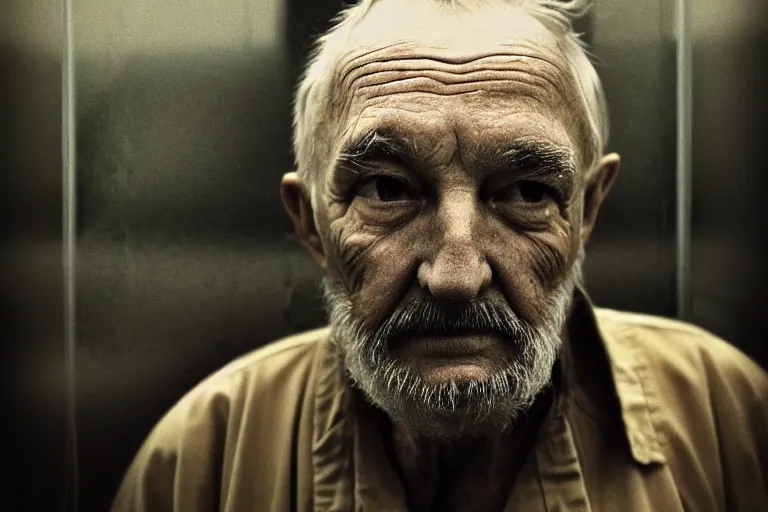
(730, 109)
(186, 259)
(631, 258)
(34, 423)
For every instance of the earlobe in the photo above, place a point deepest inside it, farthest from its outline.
(299, 207)
(597, 188)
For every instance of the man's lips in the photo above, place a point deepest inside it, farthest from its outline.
(449, 346)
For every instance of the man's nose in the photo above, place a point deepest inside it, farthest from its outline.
(458, 269)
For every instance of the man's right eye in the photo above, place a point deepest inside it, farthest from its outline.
(386, 189)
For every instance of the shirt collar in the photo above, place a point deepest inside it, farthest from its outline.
(610, 378)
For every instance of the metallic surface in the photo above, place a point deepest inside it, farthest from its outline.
(730, 123)
(631, 259)
(186, 259)
(683, 171)
(69, 252)
(36, 457)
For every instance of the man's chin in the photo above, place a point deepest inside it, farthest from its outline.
(458, 372)
(462, 421)
(447, 401)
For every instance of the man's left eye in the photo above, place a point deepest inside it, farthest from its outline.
(530, 192)
(386, 189)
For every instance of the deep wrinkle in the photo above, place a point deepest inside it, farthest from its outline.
(523, 55)
(407, 55)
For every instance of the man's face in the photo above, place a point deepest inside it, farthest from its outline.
(450, 216)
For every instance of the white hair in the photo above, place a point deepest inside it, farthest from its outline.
(313, 94)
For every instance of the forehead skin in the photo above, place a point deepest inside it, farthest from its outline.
(495, 71)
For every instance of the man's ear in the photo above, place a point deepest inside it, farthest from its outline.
(299, 208)
(598, 186)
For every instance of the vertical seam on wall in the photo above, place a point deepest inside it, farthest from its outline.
(69, 202)
(684, 173)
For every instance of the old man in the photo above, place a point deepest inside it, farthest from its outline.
(450, 168)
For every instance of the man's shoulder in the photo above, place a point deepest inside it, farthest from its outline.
(622, 321)
(669, 341)
(681, 355)
(288, 352)
(272, 376)
(265, 367)
(696, 398)
(246, 413)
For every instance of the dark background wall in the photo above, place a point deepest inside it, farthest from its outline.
(185, 257)
(32, 383)
(730, 130)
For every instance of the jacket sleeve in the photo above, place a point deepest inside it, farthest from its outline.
(178, 467)
(739, 398)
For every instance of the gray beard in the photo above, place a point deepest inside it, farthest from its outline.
(450, 410)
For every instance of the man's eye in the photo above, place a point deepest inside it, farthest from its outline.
(530, 192)
(385, 188)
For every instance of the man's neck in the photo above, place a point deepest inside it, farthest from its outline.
(467, 474)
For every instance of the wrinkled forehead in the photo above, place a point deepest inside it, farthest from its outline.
(502, 50)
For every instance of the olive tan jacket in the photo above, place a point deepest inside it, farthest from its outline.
(658, 415)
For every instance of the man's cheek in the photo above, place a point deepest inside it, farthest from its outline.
(529, 267)
(549, 257)
(386, 269)
(348, 244)
(374, 267)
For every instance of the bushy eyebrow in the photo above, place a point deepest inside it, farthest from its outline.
(531, 158)
(527, 157)
(378, 146)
